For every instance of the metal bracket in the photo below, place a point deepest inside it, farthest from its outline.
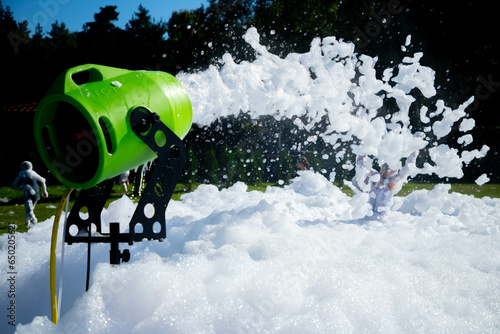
(148, 221)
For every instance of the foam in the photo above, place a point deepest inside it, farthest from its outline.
(331, 80)
(305, 257)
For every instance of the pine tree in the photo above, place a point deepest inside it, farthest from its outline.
(100, 41)
(145, 38)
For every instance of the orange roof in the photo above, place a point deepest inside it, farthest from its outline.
(22, 107)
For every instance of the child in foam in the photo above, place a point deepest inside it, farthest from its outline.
(383, 185)
(27, 180)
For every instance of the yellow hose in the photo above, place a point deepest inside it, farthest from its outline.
(53, 245)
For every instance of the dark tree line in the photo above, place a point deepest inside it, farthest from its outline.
(459, 40)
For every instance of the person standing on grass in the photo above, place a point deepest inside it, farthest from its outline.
(123, 180)
(28, 181)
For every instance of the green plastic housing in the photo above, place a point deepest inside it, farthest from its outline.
(82, 126)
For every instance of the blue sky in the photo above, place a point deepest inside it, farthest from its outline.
(75, 13)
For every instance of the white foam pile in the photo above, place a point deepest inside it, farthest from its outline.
(298, 259)
(303, 258)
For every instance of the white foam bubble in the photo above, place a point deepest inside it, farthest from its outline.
(300, 258)
(482, 179)
(332, 80)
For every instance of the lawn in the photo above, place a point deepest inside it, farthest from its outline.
(12, 207)
(490, 190)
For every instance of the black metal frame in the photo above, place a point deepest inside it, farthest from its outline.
(171, 153)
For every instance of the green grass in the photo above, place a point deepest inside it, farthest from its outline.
(486, 190)
(12, 211)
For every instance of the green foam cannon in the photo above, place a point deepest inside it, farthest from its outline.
(83, 129)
